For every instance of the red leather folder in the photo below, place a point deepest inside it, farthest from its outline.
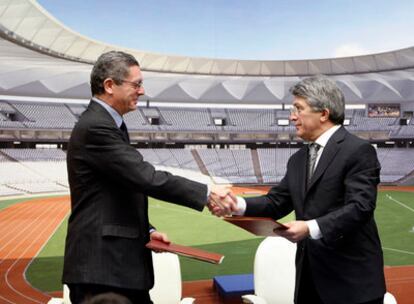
(187, 251)
(262, 226)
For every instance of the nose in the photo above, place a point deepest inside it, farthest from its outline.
(141, 90)
(293, 117)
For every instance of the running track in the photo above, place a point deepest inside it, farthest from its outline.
(26, 227)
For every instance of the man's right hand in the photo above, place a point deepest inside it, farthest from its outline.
(222, 201)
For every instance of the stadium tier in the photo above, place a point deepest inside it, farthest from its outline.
(46, 117)
(44, 170)
(32, 171)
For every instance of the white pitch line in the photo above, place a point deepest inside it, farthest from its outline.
(398, 250)
(398, 202)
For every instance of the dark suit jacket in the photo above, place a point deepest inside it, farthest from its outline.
(347, 263)
(110, 184)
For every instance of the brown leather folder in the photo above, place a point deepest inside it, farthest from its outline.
(187, 251)
(262, 226)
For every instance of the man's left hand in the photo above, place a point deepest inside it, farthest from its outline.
(298, 230)
(159, 236)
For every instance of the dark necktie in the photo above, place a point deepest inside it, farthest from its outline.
(124, 131)
(313, 154)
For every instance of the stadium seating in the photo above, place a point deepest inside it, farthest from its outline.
(46, 116)
(234, 165)
(35, 170)
(395, 163)
(273, 163)
(76, 109)
(43, 115)
(32, 171)
(136, 120)
(7, 191)
(186, 119)
(44, 170)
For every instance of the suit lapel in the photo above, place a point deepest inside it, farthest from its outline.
(299, 172)
(96, 107)
(328, 155)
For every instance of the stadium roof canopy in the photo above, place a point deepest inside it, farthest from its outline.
(42, 57)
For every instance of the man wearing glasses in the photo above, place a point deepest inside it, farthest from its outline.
(110, 183)
(331, 184)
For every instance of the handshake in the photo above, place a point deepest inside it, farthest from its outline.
(221, 201)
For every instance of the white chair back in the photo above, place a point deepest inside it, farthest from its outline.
(167, 279)
(274, 270)
(66, 292)
(389, 299)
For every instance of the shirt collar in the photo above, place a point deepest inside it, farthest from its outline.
(114, 114)
(324, 138)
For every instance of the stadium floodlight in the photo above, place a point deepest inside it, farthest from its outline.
(404, 121)
(219, 121)
(155, 121)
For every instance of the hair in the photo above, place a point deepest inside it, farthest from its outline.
(114, 65)
(322, 93)
(108, 298)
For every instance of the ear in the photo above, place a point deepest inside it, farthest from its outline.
(108, 85)
(325, 115)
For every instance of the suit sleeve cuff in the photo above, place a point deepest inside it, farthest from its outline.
(314, 231)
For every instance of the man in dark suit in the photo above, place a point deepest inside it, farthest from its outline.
(333, 192)
(110, 183)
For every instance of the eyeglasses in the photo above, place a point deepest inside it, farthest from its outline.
(295, 110)
(136, 85)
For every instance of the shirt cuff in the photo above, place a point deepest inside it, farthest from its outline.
(208, 191)
(314, 231)
(241, 206)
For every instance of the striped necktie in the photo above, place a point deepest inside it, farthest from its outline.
(313, 154)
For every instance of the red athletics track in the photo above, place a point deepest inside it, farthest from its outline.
(26, 227)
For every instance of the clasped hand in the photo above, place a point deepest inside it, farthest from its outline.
(221, 201)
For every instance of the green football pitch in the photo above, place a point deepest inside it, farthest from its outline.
(394, 216)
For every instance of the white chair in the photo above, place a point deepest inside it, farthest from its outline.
(64, 300)
(167, 285)
(167, 275)
(167, 282)
(389, 299)
(274, 272)
(55, 301)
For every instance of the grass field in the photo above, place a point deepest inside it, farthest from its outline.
(395, 220)
(394, 215)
